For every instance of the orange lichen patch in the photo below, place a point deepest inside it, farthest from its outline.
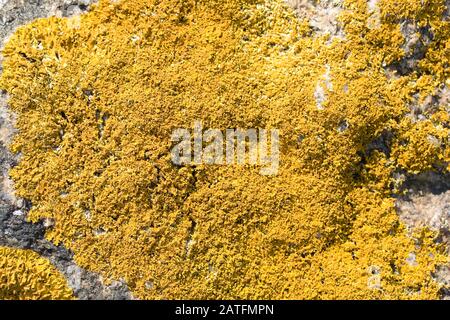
(97, 105)
(418, 147)
(24, 275)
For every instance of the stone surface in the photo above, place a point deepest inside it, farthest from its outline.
(427, 203)
(322, 15)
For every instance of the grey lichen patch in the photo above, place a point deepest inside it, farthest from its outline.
(322, 15)
(375, 14)
(426, 203)
(7, 121)
(14, 13)
(428, 209)
(7, 160)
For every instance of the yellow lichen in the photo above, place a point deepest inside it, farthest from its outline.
(97, 104)
(24, 275)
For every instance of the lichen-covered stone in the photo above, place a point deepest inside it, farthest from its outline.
(24, 275)
(15, 231)
(98, 98)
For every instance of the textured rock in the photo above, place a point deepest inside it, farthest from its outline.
(427, 203)
(322, 14)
